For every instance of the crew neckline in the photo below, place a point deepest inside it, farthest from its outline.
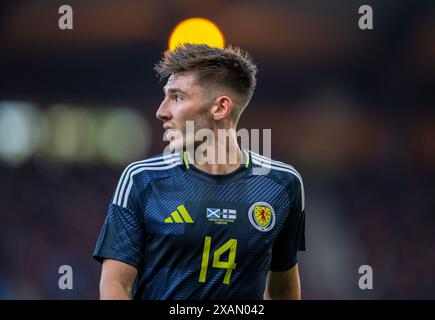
(225, 178)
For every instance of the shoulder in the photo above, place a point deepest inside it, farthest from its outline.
(137, 175)
(154, 167)
(279, 171)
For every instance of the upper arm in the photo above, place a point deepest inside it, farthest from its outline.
(291, 237)
(116, 276)
(283, 278)
(120, 244)
(121, 237)
(283, 284)
(122, 234)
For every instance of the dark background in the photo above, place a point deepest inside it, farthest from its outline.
(351, 109)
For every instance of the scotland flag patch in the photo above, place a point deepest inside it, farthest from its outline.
(221, 216)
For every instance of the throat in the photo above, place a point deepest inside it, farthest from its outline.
(219, 164)
(218, 168)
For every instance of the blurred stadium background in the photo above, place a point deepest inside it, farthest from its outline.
(352, 110)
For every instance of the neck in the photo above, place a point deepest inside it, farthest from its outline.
(219, 156)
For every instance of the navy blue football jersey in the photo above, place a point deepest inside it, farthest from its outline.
(195, 235)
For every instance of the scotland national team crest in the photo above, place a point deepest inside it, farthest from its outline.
(262, 216)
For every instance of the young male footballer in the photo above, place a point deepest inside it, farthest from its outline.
(181, 228)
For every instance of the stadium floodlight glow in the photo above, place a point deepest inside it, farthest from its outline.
(124, 135)
(69, 134)
(19, 134)
(198, 31)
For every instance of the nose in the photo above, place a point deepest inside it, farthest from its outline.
(163, 112)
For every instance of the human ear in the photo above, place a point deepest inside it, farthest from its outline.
(222, 108)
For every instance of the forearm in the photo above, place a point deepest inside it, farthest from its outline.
(294, 294)
(283, 285)
(110, 290)
(291, 293)
(117, 280)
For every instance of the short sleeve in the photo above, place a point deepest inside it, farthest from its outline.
(291, 237)
(122, 234)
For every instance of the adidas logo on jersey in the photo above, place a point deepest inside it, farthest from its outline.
(179, 216)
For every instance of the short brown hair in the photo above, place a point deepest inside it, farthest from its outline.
(229, 67)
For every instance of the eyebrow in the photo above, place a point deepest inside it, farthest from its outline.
(175, 90)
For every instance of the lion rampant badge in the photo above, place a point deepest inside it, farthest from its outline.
(262, 216)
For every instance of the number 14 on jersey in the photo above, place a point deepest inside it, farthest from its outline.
(230, 265)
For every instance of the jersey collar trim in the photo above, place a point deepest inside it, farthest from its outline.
(219, 178)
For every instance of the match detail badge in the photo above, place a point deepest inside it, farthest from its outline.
(221, 216)
(262, 216)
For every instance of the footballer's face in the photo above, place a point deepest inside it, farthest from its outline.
(184, 100)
